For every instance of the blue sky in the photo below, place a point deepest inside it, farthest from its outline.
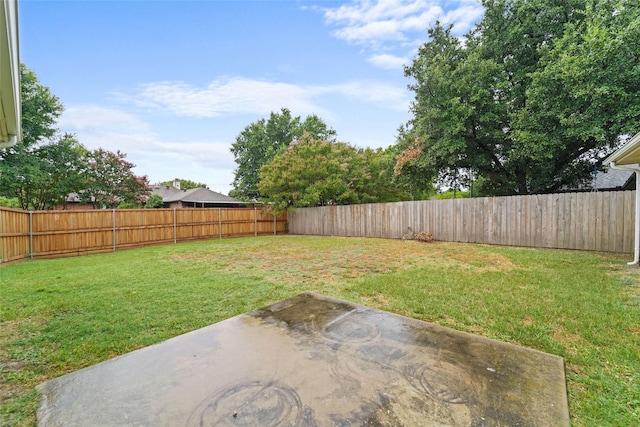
(172, 83)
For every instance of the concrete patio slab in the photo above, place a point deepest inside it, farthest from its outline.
(315, 361)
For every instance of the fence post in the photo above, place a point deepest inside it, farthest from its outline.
(255, 221)
(31, 234)
(114, 230)
(220, 222)
(175, 227)
(275, 225)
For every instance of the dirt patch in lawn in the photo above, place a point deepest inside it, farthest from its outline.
(286, 260)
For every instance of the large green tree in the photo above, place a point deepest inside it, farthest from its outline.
(538, 89)
(315, 172)
(587, 92)
(28, 171)
(261, 141)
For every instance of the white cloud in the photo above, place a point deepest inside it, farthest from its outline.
(373, 23)
(367, 10)
(108, 128)
(387, 61)
(372, 32)
(93, 117)
(221, 97)
(113, 130)
(464, 17)
(381, 23)
(246, 96)
(391, 96)
(204, 154)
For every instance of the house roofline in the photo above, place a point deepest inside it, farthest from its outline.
(10, 104)
(628, 154)
(627, 158)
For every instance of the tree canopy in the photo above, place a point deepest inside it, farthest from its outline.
(28, 170)
(259, 142)
(186, 184)
(315, 172)
(110, 181)
(41, 176)
(525, 102)
(40, 109)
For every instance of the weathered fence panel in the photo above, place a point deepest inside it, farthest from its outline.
(61, 233)
(599, 221)
(14, 243)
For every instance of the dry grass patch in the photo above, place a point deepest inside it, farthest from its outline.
(292, 260)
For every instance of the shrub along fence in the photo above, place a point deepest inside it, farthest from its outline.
(62, 233)
(599, 221)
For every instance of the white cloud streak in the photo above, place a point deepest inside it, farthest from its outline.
(368, 22)
(235, 95)
(113, 130)
(91, 118)
(373, 22)
(367, 10)
(387, 61)
(384, 25)
(373, 92)
(246, 96)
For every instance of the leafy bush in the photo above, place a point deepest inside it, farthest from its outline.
(154, 201)
(9, 202)
(128, 205)
(450, 194)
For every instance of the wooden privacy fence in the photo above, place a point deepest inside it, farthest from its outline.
(599, 221)
(58, 233)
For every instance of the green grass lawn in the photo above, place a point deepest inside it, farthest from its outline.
(64, 314)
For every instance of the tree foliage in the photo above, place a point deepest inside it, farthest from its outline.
(261, 141)
(185, 184)
(538, 89)
(40, 109)
(587, 93)
(315, 172)
(409, 171)
(110, 181)
(41, 176)
(41, 169)
(44, 168)
(9, 202)
(154, 201)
